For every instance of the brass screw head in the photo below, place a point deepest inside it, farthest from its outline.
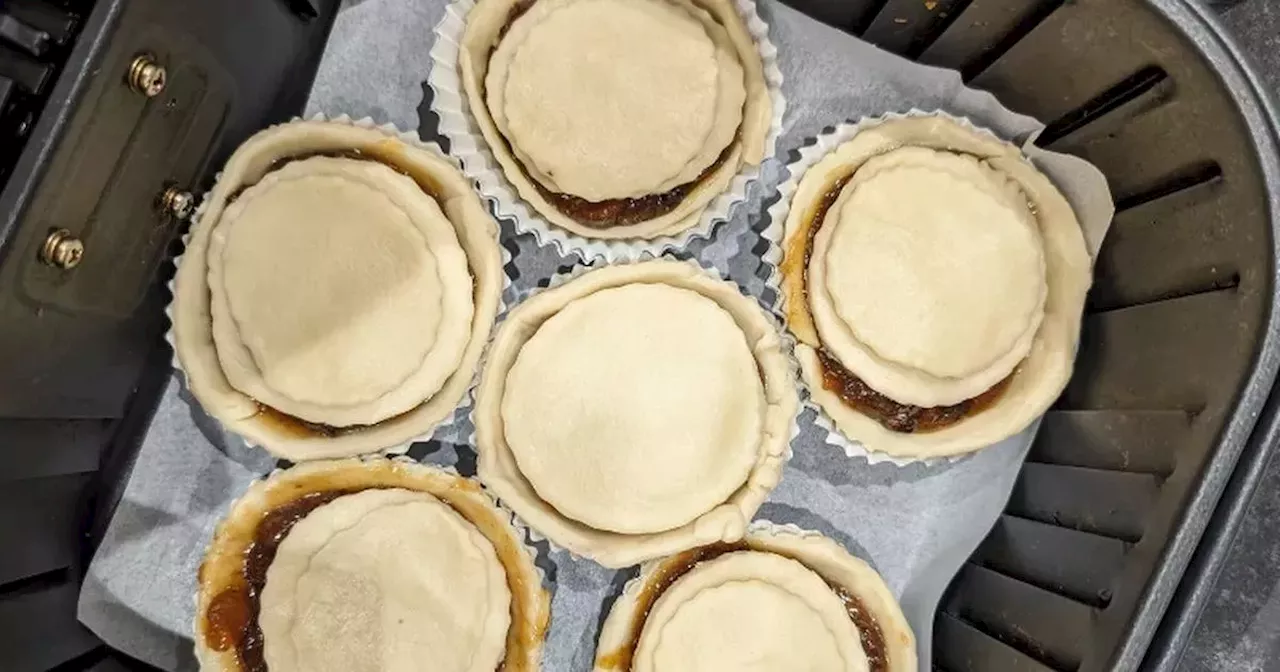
(62, 250)
(146, 76)
(177, 203)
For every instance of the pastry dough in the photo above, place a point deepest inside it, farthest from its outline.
(677, 433)
(369, 564)
(780, 600)
(1011, 330)
(206, 335)
(382, 580)
(926, 277)
(749, 611)
(339, 294)
(608, 100)
(640, 101)
(617, 387)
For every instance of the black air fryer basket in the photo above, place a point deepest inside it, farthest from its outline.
(1178, 360)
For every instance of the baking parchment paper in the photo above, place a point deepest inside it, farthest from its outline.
(916, 524)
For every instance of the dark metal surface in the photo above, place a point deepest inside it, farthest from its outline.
(1258, 110)
(1228, 607)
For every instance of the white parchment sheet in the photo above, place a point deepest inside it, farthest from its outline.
(916, 524)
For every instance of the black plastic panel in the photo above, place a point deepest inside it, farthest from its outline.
(82, 358)
(40, 628)
(126, 153)
(45, 514)
(74, 342)
(44, 448)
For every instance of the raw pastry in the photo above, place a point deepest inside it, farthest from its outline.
(616, 118)
(697, 401)
(935, 281)
(368, 565)
(376, 288)
(777, 601)
(336, 292)
(635, 411)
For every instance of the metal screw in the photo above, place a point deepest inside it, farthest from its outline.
(146, 76)
(62, 250)
(177, 202)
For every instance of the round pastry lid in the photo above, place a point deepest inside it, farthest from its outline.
(616, 119)
(935, 282)
(647, 386)
(385, 578)
(781, 599)
(373, 564)
(927, 278)
(340, 293)
(749, 611)
(336, 291)
(635, 410)
(655, 96)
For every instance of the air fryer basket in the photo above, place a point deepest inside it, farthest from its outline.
(1179, 346)
(1179, 353)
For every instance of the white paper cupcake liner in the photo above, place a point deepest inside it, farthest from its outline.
(260, 486)
(578, 271)
(615, 630)
(757, 527)
(805, 157)
(449, 102)
(450, 421)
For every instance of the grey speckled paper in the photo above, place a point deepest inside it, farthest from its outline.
(915, 524)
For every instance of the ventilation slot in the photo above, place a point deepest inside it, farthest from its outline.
(1050, 628)
(1076, 565)
(1178, 245)
(1223, 283)
(1201, 175)
(34, 584)
(1133, 88)
(1023, 28)
(93, 661)
(41, 631)
(1141, 442)
(45, 513)
(963, 647)
(970, 33)
(843, 14)
(908, 27)
(1107, 503)
(1128, 359)
(868, 15)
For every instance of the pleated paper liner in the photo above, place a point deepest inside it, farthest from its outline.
(450, 418)
(383, 472)
(578, 272)
(1083, 185)
(467, 143)
(618, 635)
